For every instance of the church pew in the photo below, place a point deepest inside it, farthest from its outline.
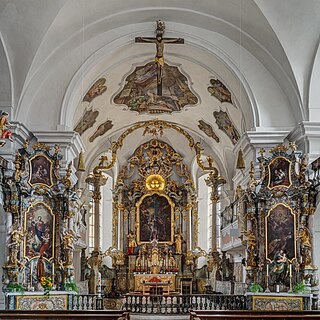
(253, 314)
(65, 314)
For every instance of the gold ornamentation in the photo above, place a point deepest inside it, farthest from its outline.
(279, 147)
(155, 182)
(41, 146)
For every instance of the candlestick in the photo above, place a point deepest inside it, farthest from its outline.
(52, 273)
(31, 270)
(290, 270)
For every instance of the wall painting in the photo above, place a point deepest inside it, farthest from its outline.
(86, 121)
(225, 124)
(139, 92)
(219, 91)
(208, 130)
(101, 130)
(97, 89)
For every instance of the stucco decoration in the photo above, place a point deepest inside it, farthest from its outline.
(97, 89)
(139, 92)
(208, 130)
(86, 121)
(101, 130)
(219, 91)
(225, 124)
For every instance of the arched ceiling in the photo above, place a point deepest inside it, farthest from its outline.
(263, 51)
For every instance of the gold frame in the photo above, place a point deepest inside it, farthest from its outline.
(50, 171)
(289, 174)
(138, 216)
(294, 231)
(53, 229)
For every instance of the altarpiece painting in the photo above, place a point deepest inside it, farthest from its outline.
(279, 173)
(155, 219)
(40, 170)
(39, 224)
(280, 232)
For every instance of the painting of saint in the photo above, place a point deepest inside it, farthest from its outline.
(39, 224)
(219, 91)
(279, 173)
(101, 130)
(140, 90)
(280, 232)
(87, 121)
(225, 124)
(40, 170)
(97, 89)
(155, 219)
(208, 130)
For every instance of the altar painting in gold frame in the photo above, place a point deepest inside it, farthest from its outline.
(40, 170)
(279, 173)
(155, 218)
(280, 224)
(40, 228)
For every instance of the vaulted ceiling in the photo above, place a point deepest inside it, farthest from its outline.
(265, 53)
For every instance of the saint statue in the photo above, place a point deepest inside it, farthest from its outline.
(132, 243)
(40, 268)
(178, 242)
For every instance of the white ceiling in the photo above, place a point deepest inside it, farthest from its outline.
(265, 51)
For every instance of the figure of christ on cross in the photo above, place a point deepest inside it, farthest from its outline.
(159, 42)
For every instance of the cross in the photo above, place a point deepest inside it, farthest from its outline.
(159, 42)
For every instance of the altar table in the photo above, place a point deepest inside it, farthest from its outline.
(29, 300)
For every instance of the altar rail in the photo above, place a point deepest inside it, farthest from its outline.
(86, 302)
(174, 304)
(65, 315)
(249, 314)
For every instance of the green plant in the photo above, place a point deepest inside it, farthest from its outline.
(15, 287)
(255, 287)
(71, 286)
(300, 287)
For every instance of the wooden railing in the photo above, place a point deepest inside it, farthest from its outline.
(249, 314)
(65, 315)
(175, 304)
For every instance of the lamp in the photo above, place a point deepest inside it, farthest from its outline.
(240, 161)
(81, 164)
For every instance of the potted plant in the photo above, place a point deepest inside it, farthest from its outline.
(71, 286)
(300, 288)
(15, 287)
(255, 287)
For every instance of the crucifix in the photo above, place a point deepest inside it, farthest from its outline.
(159, 42)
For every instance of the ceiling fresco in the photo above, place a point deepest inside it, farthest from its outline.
(97, 89)
(225, 124)
(219, 91)
(139, 91)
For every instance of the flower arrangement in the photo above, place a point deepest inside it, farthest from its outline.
(15, 287)
(71, 286)
(255, 287)
(46, 283)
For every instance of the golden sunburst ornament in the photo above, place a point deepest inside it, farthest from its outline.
(155, 182)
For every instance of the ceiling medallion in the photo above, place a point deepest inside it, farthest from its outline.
(155, 182)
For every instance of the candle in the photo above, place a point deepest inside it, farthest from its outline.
(267, 270)
(290, 270)
(31, 270)
(52, 273)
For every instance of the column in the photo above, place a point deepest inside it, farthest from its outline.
(97, 180)
(214, 181)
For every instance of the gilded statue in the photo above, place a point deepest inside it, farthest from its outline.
(178, 243)
(132, 243)
(306, 245)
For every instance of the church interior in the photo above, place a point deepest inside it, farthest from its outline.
(159, 158)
